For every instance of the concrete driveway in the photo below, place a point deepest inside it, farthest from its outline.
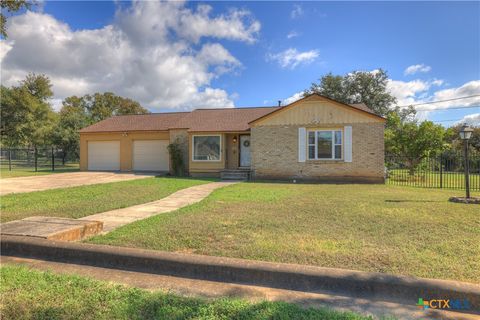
(64, 180)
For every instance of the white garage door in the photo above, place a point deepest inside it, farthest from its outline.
(150, 155)
(104, 155)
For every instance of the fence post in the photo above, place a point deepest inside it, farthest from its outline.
(441, 171)
(478, 168)
(53, 160)
(36, 156)
(9, 159)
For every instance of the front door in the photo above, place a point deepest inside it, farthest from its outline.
(245, 150)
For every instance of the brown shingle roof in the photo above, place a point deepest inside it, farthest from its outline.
(233, 119)
(363, 107)
(199, 120)
(141, 122)
(208, 120)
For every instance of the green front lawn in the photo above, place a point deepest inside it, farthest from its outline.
(77, 202)
(25, 172)
(401, 230)
(30, 294)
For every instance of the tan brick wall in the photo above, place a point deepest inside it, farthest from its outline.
(181, 137)
(275, 155)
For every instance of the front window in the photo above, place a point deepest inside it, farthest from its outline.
(325, 145)
(206, 148)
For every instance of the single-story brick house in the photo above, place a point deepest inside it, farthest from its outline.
(314, 138)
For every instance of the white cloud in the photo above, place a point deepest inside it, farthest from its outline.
(296, 12)
(471, 119)
(468, 89)
(56, 104)
(162, 63)
(292, 58)
(414, 91)
(419, 91)
(292, 34)
(407, 92)
(293, 98)
(417, 68)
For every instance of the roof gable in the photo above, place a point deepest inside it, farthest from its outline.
(318, 109)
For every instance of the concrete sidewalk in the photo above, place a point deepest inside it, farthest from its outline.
(120, 217)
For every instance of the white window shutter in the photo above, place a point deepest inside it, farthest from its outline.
(347, 146)
(302, 144)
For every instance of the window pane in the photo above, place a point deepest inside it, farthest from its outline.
(311, 137)
(206, 148)
(338, 137)
(324, 142)
(338, 152)
(311, 152)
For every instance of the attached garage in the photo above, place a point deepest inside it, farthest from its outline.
(104, 155)
(150, 155)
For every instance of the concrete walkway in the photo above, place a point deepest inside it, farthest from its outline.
(64, 180)
(120, 217)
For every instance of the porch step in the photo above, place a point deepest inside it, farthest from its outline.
(238, 174)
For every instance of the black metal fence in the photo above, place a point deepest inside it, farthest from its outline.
(439, 171)
(45, 158)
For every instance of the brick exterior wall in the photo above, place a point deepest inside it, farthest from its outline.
(275, 155)
(181, 137)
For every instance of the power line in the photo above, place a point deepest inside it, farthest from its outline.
(440, 109)
(446, 120)
(439, 101)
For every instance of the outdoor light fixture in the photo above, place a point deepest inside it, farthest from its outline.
(234, 139)
(465, 134)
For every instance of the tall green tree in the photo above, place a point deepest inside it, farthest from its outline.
(413, 141)
(101, 106)
(27, 118)
(15, 116)
(43, 118)
(38, 86)
(452, 138)
(357, 87)
(79, 112)
(72, 118)
(10, 6)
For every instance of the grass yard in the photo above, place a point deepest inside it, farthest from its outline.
(76, 202)
(382, 228)
(31, 294)
(25, 172)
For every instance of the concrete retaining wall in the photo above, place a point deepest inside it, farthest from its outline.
(285, 276)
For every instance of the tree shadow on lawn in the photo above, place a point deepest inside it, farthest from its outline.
(407, 200)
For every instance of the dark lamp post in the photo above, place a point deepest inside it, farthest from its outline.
(465, 134)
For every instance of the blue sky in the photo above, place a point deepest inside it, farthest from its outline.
(253, 53)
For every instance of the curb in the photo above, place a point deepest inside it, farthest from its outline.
(370, 285)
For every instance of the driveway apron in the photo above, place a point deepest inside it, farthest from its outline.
(63, 180)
